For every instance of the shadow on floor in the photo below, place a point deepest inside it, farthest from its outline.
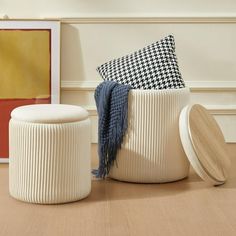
(112, 190)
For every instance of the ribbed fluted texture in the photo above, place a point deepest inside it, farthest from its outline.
(152, 150)
(49, 163)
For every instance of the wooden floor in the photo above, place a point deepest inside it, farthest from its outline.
(188, 207)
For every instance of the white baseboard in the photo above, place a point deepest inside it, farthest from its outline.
(146, 19)
(217, 86)
(79, 85)
(193, 85)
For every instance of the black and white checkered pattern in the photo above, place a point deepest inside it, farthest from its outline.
(153, 67)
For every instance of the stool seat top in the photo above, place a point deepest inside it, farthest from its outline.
(49, 113)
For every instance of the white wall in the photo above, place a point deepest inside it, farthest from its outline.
(205, 46)
(74, 8)
(206, 53)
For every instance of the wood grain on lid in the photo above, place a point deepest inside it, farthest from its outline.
(208, 143)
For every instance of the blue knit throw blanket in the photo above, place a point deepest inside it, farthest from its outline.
(112, 106)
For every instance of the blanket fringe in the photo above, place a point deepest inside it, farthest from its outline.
(112, 105)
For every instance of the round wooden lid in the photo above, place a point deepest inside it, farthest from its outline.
(204, 144)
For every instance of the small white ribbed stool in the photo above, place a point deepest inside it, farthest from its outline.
(49, 153)
(152, 151)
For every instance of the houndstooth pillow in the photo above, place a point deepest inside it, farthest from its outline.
(153, 67)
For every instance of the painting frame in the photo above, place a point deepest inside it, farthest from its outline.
(54, 28)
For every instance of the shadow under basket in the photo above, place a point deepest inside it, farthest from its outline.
(152, 151)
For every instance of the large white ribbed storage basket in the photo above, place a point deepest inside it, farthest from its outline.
(152, 150)
(49, 153)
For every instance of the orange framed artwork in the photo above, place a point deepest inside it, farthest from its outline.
(29, 69)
